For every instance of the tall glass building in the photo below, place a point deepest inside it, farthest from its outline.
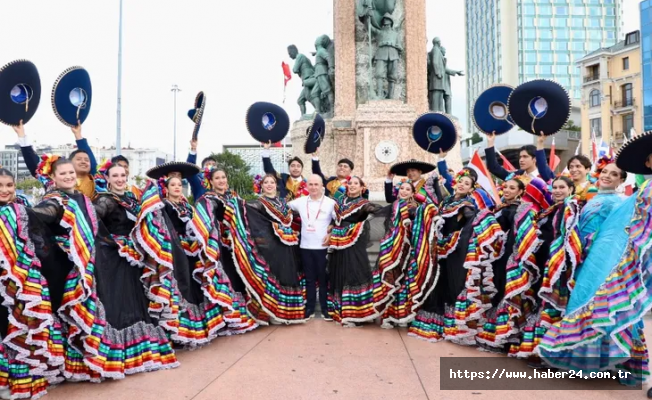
(513, 41)
(646, 49)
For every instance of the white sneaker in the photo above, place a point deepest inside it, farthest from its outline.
(5, 394)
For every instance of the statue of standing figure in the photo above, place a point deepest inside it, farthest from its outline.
(303, 67)
(439, 81)
(324, 74)
(387, 55)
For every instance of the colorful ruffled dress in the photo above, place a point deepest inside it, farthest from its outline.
(268, 259)
(221, 250)
(469, 241)
(355, 289)
(515, 275)
(191, 297)
(141, 344)
(561, 250)
(603, 328)
(31, 349)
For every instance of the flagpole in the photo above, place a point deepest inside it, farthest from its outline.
(118, 133)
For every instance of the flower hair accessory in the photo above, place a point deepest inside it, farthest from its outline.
(601, 164)
(44, 170)
(258, 184)
(363, 190)
(398, 186)
(464, 173)
(162, 185)
(206, 177)
(101, 182)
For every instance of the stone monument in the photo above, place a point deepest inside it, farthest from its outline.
(375, 106)
(439, 79)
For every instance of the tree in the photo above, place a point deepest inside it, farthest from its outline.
(476, 138)
(140, 181)
(570, 126)
(237, 172)
(28, 184)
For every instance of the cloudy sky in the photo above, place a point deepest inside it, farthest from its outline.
(232, 50)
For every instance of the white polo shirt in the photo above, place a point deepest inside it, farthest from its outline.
(316, 216)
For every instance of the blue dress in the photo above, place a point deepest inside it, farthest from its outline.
(594, 213)
(603, 325)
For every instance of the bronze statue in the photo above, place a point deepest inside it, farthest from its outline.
(387, 55)
(303, 67)
(324, 72)
(439, 87)
(448, 93)
(379, 7)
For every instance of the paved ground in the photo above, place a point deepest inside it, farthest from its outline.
(319, 360)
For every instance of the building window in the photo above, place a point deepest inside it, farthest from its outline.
(596, 126)
(625, 63)
(594, 98)
(628, 123)
(561, 10)
(561, 22)
(627, 94)
(632, 38)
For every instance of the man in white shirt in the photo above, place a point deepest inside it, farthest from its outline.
(317, 213)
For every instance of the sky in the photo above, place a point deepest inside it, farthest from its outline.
(231, 50)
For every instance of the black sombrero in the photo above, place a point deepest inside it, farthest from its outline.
(72, 94)
(401, 168)
(267, 122)
(434, 132)
(490, 110)
(187, 170)
(540, 105)
(632, 154)
(20, 92)
(196, 114)
(315, 135)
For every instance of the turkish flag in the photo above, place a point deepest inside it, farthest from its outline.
(286, 72)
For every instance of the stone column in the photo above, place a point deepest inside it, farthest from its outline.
(415, 55)
(344, 37)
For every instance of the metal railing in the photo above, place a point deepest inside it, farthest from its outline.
(591, 78)
(624, 103)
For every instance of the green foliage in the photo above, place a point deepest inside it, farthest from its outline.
(570, 126)
(140, 181)
(28, 184)
(476, 138)
(237, 172)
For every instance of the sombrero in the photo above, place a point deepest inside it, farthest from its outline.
(401, 168)
(187, 170)
(434, 132)
(72, 94)
(196, 114)
(20, 92)
(632, 155)
(490, 110)
(315, 135)
(267, 122)
(540, 105)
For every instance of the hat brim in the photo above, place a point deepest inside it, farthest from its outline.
(274, 131)
(401, 168)
(19, 72)
(187, 170)
(443, 138)
(197, 114)
(484, 116)
(632, 155)
(315, 135)
(558, 106)
(74, 78)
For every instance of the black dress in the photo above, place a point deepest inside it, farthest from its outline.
(273, 273)
(118, 271)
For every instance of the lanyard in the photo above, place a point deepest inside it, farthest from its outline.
(308, 209)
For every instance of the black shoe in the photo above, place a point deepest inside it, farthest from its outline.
(326, 317)
(309, 315)
(649, 393)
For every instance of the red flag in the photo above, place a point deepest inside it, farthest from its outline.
(484, 177)
(286, 72)
(277, 144)
(506, 164)
(594, 146)
(554, 160)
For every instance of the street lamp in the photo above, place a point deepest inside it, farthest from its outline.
(118, 133)
(175, 89)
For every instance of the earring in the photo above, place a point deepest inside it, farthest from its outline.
(108, 187)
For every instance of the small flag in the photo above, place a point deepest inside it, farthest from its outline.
(506, 164)
(594, 147)
(287, 75)
(578, 148)
(554, 160)
(484, 177)
(277, 144)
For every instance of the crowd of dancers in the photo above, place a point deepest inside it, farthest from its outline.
(104, 280)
